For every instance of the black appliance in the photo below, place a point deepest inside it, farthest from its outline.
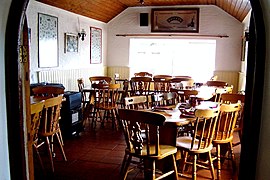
(71, 122)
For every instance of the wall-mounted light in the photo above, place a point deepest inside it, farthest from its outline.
(82, 34)
(141, 2)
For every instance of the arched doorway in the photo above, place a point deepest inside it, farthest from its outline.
(15, 99)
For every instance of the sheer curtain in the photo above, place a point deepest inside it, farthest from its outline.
(189, 57)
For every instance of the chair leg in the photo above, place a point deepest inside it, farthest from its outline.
(153, 170)
(184, 161)
(219, 164)
(123, 163)
(50, 152)
(175, 168)
(232, 157)
(194, 171)
(211, 165)
(39, 158)
(125, 172)
(61, 147)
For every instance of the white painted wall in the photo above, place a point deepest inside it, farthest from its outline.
(213, 21)
(67, 23)
(263, 164)
(4, 155)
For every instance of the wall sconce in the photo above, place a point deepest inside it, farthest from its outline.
(82, 34)
(142, 2)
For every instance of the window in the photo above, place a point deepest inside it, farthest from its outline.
(187, 57)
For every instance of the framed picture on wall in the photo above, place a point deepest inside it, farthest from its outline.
(71, 42)
(175, 20)
(95, 45)
(47, 41)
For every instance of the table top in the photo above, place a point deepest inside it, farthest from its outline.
(175, 117)
(37, 99)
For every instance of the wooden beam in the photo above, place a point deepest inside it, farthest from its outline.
(171, 35)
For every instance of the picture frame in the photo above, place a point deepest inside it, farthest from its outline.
(47, 41)
(175, 20)
(71, 42)
(95, 45)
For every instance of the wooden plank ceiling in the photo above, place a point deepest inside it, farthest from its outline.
(105, 10)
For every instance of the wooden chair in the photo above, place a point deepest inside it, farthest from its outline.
(218, 94)
(177, 81)
(162, 83)
(136, 102)
(85, 97)
(214, 78)
(200, 141)
(149, 150)
(106, 96)
(124, 93)
(140, 86)
(224, 131)
(100, 80)
(186, 94)
(164, 99)
(36, 112)
(229, 98)
(222, 84)
(47, 91)
(49, 126)
(143, 74)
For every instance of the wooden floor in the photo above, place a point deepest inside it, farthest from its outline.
(98, 155)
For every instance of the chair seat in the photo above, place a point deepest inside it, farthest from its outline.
(165, 150)
(185, 143)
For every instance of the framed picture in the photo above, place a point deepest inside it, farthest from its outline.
(71, 42)
(95, 45)
(175, 20)
(47, 41)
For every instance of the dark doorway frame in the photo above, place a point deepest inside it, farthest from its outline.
(254, 92)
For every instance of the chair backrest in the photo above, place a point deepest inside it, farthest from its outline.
(47, 91)
(80, 82)
(222, 84)
(177, 81)
(164, 99)
(136, 102)
(232, 98)
(218, 93)
(131, 120)
(162, 83)
(185, 94)
(100, 79)
(228, 98)
(36, 112)
(143, 74)
(214, 78)
(140, 86)
(226, 121)
(204, 128)
(50, 116)
(106, 95)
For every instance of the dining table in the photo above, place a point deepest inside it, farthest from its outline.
(177, 116)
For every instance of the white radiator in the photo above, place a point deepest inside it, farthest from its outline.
(69, 77)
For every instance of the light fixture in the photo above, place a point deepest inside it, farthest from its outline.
(141, 2)
(82, 34)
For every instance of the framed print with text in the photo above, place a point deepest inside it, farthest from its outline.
(95, 45)
(175, 20)
(47, 41)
